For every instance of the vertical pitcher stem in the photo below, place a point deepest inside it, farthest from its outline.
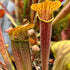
(45, 32)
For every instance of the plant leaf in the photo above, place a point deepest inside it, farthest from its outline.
(61, 51)
(11, 18)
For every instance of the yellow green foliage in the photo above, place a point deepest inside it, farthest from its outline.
(61, 52)
(16, 33)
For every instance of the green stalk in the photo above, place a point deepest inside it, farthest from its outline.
(16, 2)
(4, 53)
(16, 9)
(26, 8)
(67, 1)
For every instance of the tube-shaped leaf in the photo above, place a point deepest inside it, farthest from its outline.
(45, 10)
(20, 46)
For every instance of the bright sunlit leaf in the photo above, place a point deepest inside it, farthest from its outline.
(48, 6)
(61, 51)
(16, 31)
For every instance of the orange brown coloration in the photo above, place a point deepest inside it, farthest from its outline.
(46, 7)
(45, 10)
(20, 4)
(2, 13)
(3, 65)
(22, 28)
(32, 41)
(1, 68)
(4, 53)
(62, 14)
